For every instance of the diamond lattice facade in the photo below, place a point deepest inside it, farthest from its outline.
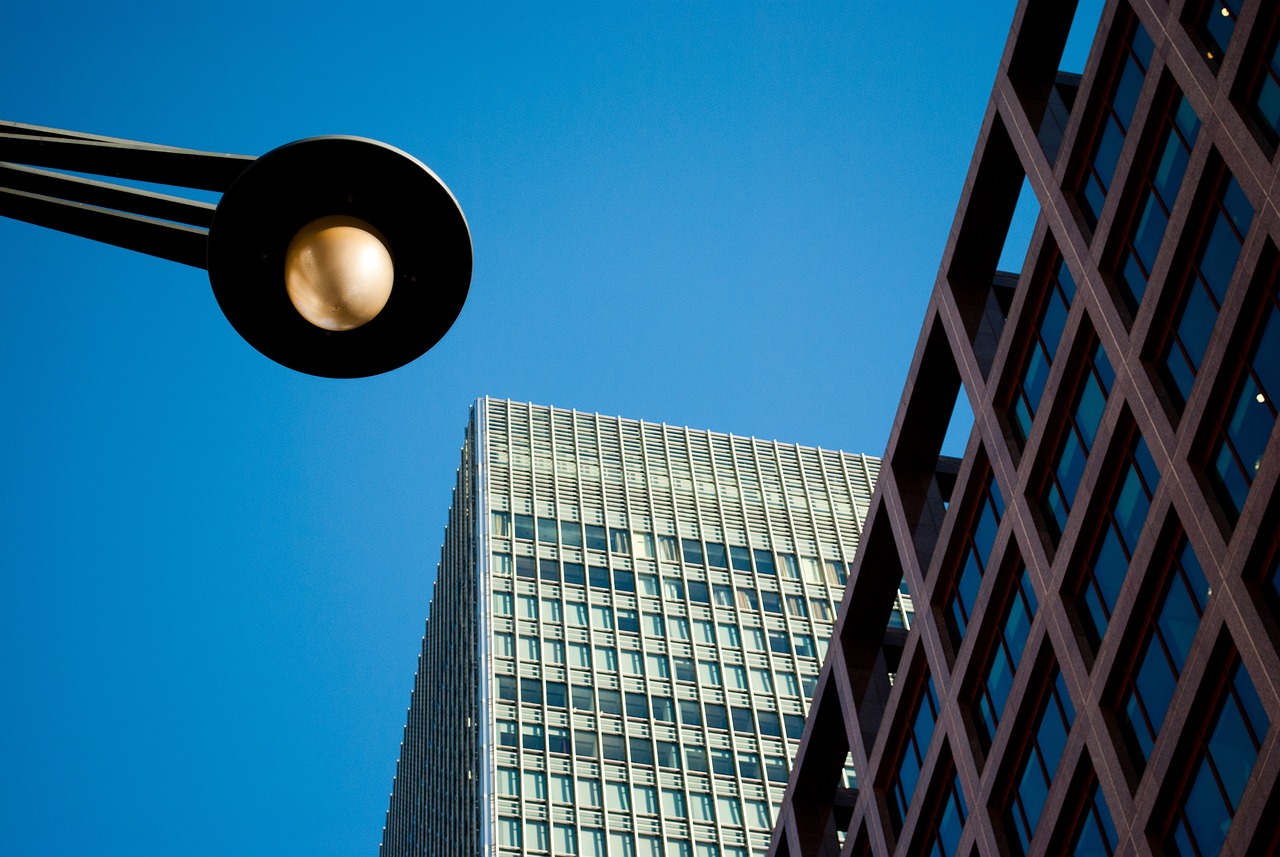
(627, 622)
(1094, 667)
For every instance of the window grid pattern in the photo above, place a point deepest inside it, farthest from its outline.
(975, 555)
(1099, 799)
(1120, 528)
(1148, 689)
(661, 602)
(1224, 758)
(1113, 126)
(1060, 292)
(1067, 467)
(1160, 186)
(915, 746)
(1034, 776)
(1011, 641)
(1207, 280)
(1246, 427)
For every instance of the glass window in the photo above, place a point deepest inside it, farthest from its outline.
(526, 567)
(668, 549)
(653, 624)
(582, 698)
(804, 646)
(657, 666)
(790, 568)
(749, 766)
(1040, 354)
(507, 688)
(507, 734)
(1147, 690)
(624, 581)
(730, 810)
(717, 557)
(1242, 435)
(668, 755)
(683, 669)
(532, 738)
(547, 530)
(821, 609)
(770, 724)
(1063, 477)
(1224, 760)
(549, 570)
(606, 659)
(589, 793)
(729, 636)
(748, 600)
(692, 551)
(1204, 289)
(579, 655)
(740, 558)
(565, 837)
(617, 796)
(944, 834)
(771, 602)
(584, 747)
(1264, 99)
(779, 643)
(576, 614)
(601, 616)
(504, 645)
(619, 541)
(509, 832)
(632, 662)
(551, 610)
(524, 527)
(613, 748)
(1095, 833)
(1120, 529)
(535, 785)
(1214, 23)
(672, 588)
(558, 740)
(644, 546)
(637, 705)
(679, 628)
(717, 715)
(599, 577)
(709, 673)
(795, 726)
(610, 701)
(573, 573)
(528, 607)
(1039, 764)
(501, 525)
(571, 534)
(1010, 642)
(1161, 182)
(743, 720)
(649, 585)
(764, 562)
(673, 804)
(695, 759)
(797, 606)
(557, 694)
(664, 710)
(762, 681)
(1113, 125)
(735, 677)
(915, 745)
(561, 788)
(722, 763)
(596, 539)
(628, 621)
(646, 797)
(699, 593)
(502, 565)
(502, 603)
(537, 836)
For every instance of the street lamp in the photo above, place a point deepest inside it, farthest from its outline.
(336, 256)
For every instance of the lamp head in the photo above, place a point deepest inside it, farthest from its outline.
(339, 256)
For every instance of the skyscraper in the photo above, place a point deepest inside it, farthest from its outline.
(1094, 666)
(627, 621)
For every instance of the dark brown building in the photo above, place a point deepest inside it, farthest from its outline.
(1094, 666)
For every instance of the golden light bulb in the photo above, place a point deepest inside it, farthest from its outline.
(338, 272)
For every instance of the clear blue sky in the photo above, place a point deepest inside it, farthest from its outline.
(214, 572)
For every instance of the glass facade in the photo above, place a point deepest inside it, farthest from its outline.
(642, 687)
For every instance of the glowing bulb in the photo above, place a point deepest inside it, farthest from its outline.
(1209, 54)
(1226, 13)
(338, 272)
(1261, 398)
